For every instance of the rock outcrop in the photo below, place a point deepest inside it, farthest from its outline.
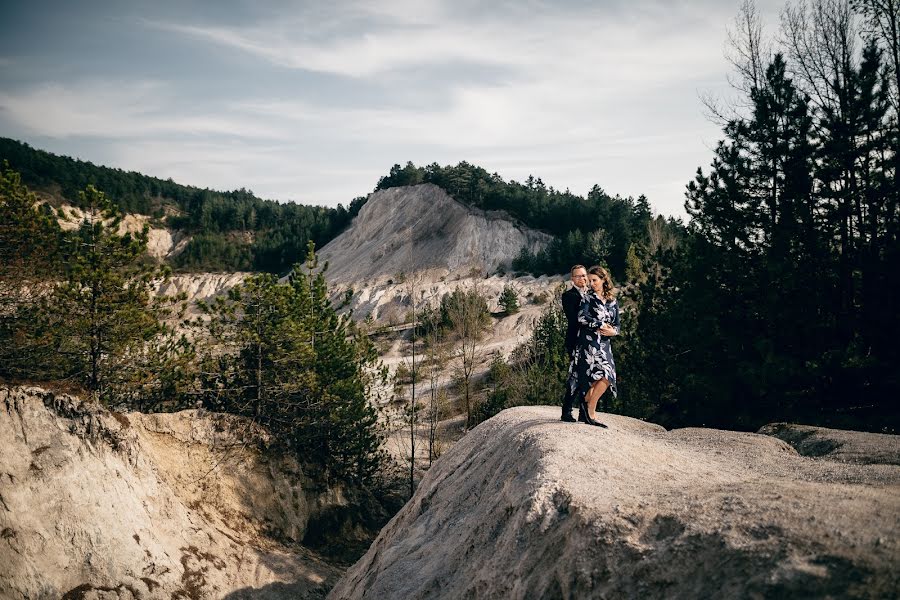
(525, 506)
(162, 243)
(201, 286)
(420, 228)
(97, 504)
(389, 301)
(838, 444)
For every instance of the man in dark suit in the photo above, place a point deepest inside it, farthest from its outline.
(571, 301)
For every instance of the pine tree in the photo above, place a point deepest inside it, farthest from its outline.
(102, 318)
(346, 363)
(753, 217)
(634, 267)
(280, 354)
(509, 300)
(29, 261)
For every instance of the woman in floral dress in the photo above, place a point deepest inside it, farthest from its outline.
(593, 370)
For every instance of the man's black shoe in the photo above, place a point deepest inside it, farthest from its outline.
(580, 417)
(567, 418)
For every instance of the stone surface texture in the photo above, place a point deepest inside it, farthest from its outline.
(97, 504)
(525, 506)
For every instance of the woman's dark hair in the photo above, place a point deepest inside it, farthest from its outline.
(609, 288)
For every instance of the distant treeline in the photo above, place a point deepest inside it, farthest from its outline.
(595, 229)
(239, 231)
(230, 230)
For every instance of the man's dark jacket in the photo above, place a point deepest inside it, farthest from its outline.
(571, 301)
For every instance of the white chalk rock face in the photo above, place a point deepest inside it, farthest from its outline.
(201, 286)
(391, 300)
(418, 228)
(95, 504)
(526, 506)
(161, 243)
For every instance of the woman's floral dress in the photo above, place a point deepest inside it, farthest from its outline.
(593, 352)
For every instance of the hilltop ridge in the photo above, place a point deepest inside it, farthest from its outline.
(404, 230)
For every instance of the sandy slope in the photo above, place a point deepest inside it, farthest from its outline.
(103, 505)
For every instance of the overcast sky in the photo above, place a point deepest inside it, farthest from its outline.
(314, 101)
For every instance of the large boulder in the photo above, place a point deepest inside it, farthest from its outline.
(838, 444)
(526, 506)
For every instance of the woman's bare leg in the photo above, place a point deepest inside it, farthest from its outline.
(593, 396)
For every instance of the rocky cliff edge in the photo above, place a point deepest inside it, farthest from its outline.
(526, 506)
(98, 504)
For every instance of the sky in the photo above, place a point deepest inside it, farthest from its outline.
(314, 101)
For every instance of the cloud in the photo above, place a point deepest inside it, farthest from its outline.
(536, 43)
(119, 109)
(577, 79)
(578, 95)
(284, 172)
(359, 56)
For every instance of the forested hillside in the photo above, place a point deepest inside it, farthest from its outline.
(597, 229)
(238, 231)
(77, 311)
(230, 230)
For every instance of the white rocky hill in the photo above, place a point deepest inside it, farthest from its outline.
(403, 233)
(97, 504)
(406, 241)
(419, 229)
(525, 506)
(412, 245)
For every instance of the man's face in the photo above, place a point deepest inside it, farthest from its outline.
(579, 278)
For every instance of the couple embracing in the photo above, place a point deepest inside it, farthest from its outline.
(593, 316)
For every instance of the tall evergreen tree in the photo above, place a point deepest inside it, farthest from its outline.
(509, 300)
(29, 262)
(280, 353)
(102, 316)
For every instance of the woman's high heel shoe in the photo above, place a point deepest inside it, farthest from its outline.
(587, 417)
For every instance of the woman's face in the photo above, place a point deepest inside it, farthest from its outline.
(596, 282)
